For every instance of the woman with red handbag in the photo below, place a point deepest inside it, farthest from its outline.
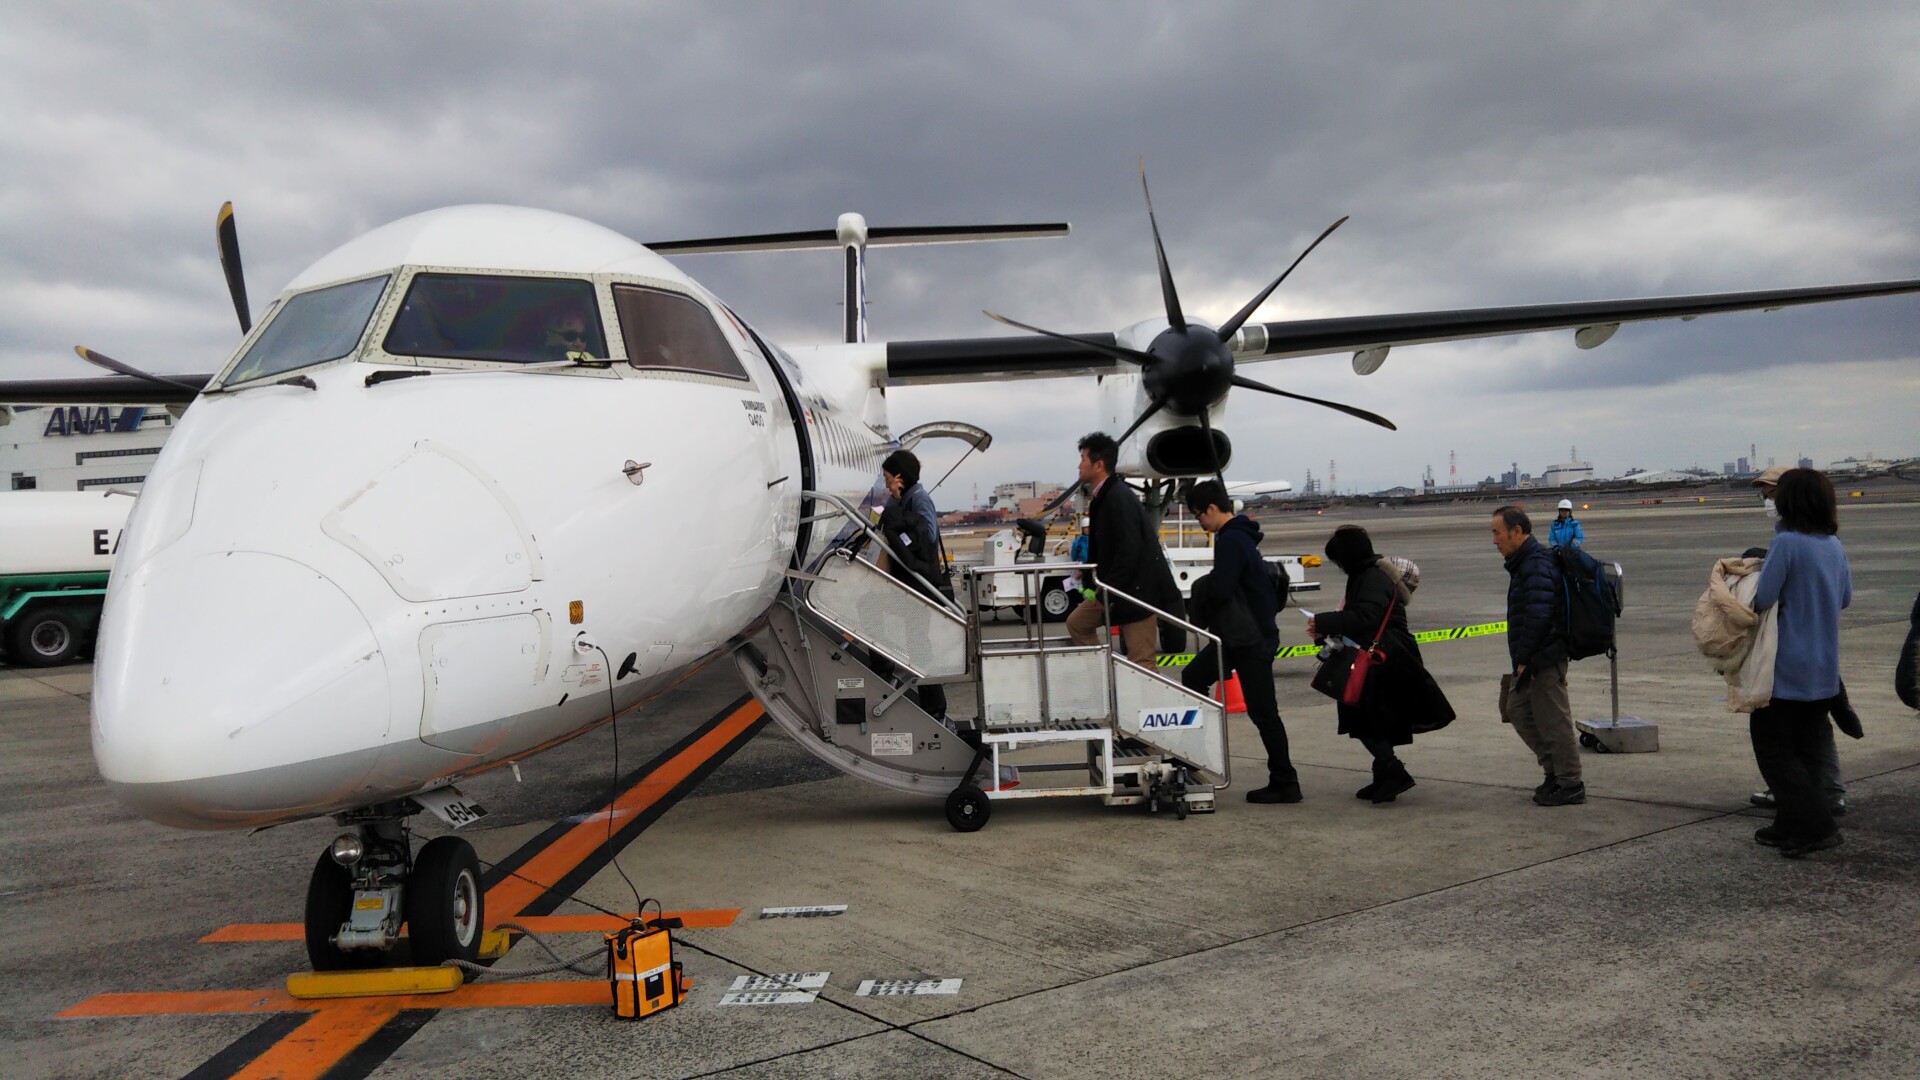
(1395, 696)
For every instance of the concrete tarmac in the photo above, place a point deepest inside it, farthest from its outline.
(1460, 931)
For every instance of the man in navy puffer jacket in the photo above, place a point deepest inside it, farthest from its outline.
(1536, 642)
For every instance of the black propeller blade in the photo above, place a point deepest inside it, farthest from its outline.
(1213, 452)
(229, 240)
(108, 362)
(1172, 298)
(1228, 328)
(1115, 351)
(1190, 367)
(1371, 418)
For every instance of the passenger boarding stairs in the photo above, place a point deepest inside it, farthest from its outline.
(838, 655)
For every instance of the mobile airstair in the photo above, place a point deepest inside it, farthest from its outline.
(839, 657)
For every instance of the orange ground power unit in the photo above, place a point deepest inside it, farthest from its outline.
(640, 966)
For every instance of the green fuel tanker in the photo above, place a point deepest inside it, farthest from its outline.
(56, 550)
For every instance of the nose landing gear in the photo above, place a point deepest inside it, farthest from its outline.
(369, 881)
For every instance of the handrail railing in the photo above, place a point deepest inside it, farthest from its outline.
(1037, 641)
(848, 511)
(1106, 614)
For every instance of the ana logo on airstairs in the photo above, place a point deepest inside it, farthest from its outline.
(1163, 719)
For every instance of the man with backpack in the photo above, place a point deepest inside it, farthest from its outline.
(1238, 602)
(1536, 643)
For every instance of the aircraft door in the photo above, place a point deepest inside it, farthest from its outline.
(718, 412)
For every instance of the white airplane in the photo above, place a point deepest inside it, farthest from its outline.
(486, 474)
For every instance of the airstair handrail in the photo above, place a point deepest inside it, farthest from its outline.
(851, 513)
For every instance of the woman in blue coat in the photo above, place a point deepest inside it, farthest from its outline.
(1807, 576)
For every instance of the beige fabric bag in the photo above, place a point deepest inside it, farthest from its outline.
(1740, 641)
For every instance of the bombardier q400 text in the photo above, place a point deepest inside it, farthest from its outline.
(346, 586)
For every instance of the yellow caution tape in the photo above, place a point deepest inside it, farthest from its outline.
(1451, 633)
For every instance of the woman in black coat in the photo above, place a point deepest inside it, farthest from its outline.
(1401, 698)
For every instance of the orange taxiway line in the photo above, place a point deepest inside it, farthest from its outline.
(319, 1043)
(496, 995)
(705, 919)
(509, 897)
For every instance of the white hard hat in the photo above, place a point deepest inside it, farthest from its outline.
(1086, 522)
(1566, 504)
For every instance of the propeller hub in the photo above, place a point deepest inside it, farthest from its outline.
(1192, 368)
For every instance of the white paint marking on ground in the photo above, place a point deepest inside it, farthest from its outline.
(907, 987)
(778, 997)
(817, 911)
(782, 980)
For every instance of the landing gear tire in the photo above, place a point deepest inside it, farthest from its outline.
(46, 637)
(1054, 601)
(330, 903)
(968, 808)
(446, 907)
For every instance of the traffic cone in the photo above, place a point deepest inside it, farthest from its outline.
(1236, 701)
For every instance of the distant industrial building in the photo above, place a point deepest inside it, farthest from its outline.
(1008, 496)
(1573, 472)
(1664, 476)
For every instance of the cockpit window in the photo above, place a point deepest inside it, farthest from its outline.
(309, 329)
(671, 331)
(519, 320)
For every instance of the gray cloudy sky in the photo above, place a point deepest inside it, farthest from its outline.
(1489, 154)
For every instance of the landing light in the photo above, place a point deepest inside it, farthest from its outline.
(346, 850)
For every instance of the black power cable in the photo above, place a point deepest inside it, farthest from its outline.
(613, 788)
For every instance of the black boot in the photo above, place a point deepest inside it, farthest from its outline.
(1393, 779)
(1367, 792)
(1276, 791)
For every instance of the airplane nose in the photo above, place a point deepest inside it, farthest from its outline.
(233, 686)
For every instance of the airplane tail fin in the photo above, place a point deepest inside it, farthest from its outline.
(853, 236)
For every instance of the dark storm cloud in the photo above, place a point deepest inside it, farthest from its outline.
(1490, 154)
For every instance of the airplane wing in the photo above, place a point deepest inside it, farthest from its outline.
(106, 390)
(976, 359)
(956, 360)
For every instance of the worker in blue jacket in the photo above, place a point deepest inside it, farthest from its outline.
(1565, 530)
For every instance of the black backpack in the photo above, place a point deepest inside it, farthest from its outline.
(1282, 585)
(1589, 602)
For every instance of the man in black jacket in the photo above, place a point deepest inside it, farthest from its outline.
(1124, 546)
(1241, 604)
(912, 531)
(1536, 643)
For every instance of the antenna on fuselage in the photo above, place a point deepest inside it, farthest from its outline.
(853, 236)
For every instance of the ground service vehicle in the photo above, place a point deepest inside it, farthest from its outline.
(56, 549)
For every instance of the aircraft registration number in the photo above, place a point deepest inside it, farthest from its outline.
(450, 806)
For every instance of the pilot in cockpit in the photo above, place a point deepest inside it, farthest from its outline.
(567, 337)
